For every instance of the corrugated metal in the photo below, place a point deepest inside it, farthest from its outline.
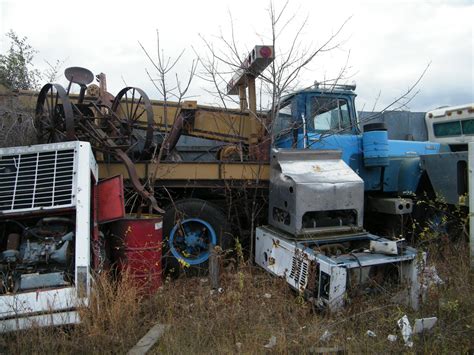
(36, 180)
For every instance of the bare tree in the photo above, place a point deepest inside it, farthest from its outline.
(292, 56)
(51, 73)
(164, 66)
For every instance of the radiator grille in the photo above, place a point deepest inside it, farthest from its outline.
(299, 272)
(36, 180)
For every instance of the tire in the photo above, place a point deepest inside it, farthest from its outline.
(189, 226)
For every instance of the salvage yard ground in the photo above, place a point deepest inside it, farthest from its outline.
(253, 308)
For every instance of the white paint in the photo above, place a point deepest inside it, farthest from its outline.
(20, 306)
(55, 319)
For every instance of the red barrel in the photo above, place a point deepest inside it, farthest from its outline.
(136, 247)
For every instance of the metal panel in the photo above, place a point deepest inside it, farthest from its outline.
(111, 201)
(402, 125)
(185, 171)
(310, 187)
(446, 175)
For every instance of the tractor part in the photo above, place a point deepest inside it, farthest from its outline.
(80, 76)
(54, 118)
(133, 109)
(115, 130)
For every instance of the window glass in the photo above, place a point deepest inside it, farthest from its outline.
(445, 129)
(345, 118)
(467, 126)
(329, 114)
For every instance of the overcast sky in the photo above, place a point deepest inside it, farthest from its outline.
(388, 44)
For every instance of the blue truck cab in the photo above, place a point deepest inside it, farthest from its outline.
(324, 118)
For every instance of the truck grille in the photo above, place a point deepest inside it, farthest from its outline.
(36, 180)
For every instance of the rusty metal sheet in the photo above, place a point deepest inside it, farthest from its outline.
(111, 201)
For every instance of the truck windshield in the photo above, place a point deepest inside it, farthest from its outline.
(329, 114)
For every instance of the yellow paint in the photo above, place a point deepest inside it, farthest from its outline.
(192, 171)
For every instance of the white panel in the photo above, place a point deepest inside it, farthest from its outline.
(39, 321)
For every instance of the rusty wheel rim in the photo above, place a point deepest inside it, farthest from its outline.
(54, 118)
(134, 110)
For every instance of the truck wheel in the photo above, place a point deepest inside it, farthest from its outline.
(189, 227)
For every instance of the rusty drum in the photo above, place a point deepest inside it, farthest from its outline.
(136, 248)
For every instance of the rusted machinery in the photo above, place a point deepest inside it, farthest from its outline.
(122, 127)
(136, 131)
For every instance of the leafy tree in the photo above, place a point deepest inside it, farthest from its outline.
(16, 65)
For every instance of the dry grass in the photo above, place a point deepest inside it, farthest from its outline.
(113, 324)
(243, 318)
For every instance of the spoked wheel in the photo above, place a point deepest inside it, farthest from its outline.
(54, 118)
(133, 108)
(190, 227)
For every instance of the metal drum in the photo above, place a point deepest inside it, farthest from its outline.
(136, 248)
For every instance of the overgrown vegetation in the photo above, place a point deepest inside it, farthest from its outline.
(17, 73)
(16, 121)
(16, 65)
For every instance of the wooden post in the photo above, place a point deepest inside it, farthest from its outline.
(214, 266)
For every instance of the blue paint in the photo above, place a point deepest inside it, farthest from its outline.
(395, 165)
(375, 147)
(191, 243)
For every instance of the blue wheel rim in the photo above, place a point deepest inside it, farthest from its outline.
(189, 240)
